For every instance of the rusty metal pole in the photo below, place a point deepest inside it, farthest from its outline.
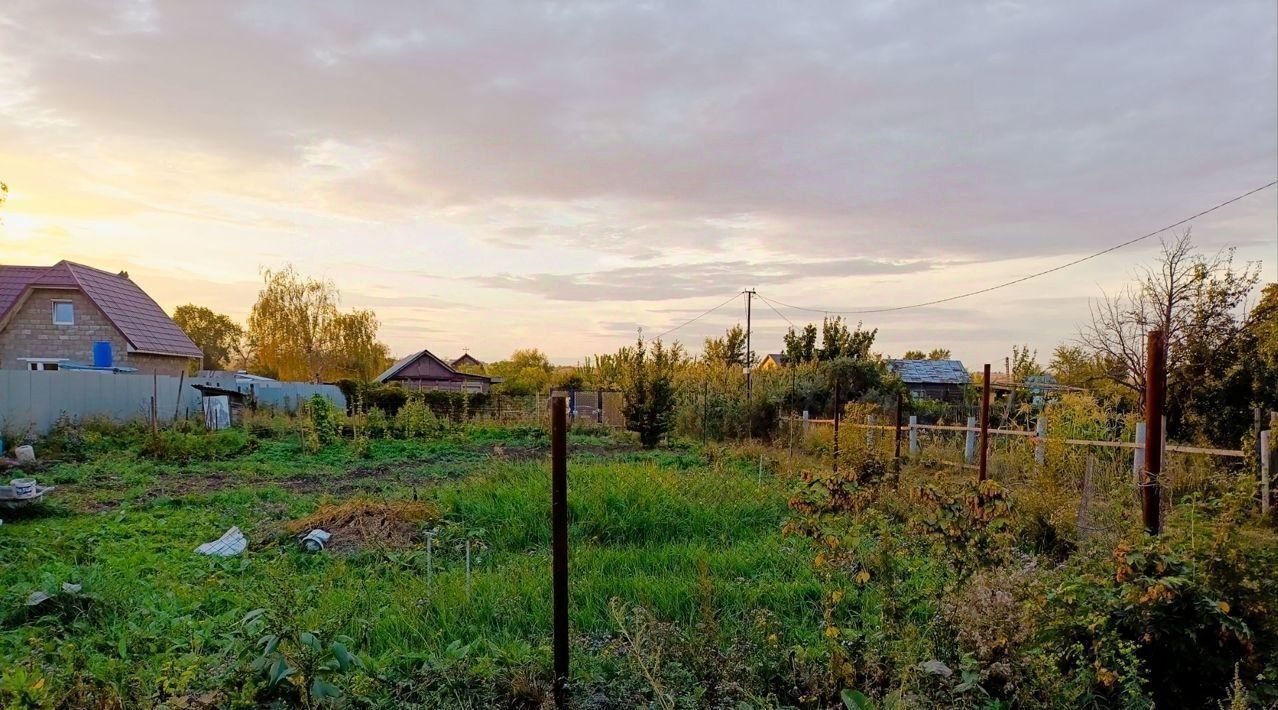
(1155, 396)
(559, 544)
(985, 424)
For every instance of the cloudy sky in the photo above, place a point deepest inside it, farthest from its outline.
(491, 175)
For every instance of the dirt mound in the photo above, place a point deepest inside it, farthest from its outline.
(362, 523)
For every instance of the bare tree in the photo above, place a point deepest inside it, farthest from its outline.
(1184, 291)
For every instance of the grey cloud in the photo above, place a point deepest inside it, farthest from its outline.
(666, 281)
(951, 129)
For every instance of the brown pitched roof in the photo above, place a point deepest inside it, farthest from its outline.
(136, 315)
(403, 362)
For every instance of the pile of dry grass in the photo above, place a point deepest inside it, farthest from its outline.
(363, 523)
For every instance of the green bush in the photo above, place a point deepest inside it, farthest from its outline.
(324, 420)
(180, 446)
(415, 419)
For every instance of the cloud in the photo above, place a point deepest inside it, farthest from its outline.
(962, 129)
(574, 169)
(667, 281)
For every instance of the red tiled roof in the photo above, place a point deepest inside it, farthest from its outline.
(137, 316)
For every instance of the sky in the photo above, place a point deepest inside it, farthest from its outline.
(489, 176)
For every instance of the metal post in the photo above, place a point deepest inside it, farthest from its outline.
(914, 435)
(1040, 441)
(1256, 428)
(559, 543)
(1138, 454)
(705, 409)
(430, 562)
(1155, 395)
(896, 434)
(969, 444)
(870, 422)
(985, 425)
(1265, 466)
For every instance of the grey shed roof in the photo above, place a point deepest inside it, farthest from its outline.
(930, 372)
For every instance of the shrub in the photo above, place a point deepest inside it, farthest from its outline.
(415, 419)
(324, 420)
(377, 423)
(179, 446)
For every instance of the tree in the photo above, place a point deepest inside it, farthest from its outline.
(218, 337)
(1076, 366)
(935, 354)
(290, 324)
(296, 331)
(526, 372)
(356, 352)
(837, 341)
(567, 378)
(800, 346)
(730, 350)
(1185, 292)
(601, 372)
(1024, 363)
(648, 388)
(1260, 349)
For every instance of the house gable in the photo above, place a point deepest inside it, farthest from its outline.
(133, 314)
(29, 332)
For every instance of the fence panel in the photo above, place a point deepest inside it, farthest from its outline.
(32, 402)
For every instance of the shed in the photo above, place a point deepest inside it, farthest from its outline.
(223, 408)
(942, 380)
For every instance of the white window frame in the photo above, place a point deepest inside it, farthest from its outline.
(41, 364)
(67, 301)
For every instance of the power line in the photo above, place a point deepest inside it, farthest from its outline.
(1023, 279)
(735, 296)
(774, 310)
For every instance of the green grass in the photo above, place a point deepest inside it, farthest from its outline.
(668, 531)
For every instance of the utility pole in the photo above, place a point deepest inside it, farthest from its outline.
(749, 294)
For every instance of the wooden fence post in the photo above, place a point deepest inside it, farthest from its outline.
(1155, 394)
(559, 544)
(914, 435)
(870, 421)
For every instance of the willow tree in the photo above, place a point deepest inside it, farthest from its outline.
(296, 331)
(355, 351)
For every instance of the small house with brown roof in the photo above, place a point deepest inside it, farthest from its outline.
(424, 371)
(467, 360)
(69, 315)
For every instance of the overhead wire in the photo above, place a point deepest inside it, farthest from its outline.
(1045, 272)
(735, 296)
(774, 310)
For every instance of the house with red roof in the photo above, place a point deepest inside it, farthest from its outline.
(72, 316)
